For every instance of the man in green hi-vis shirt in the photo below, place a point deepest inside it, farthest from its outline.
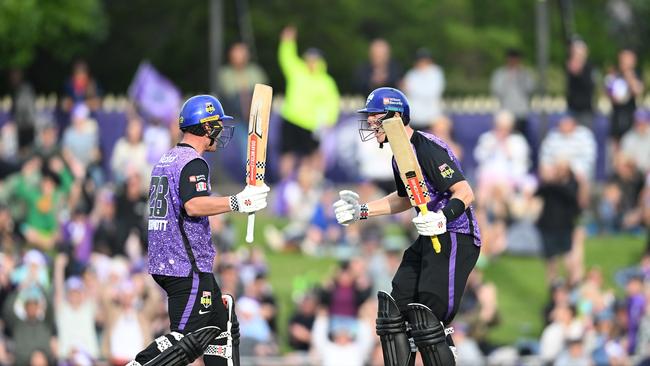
(311, 103)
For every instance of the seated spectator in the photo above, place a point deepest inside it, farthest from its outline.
(636, 142)
(467, 349)
(443, 127)
(256, 336)
(502, 155)
(80, 141)
(618, 208)
(554, 335)
(574, 354)
(29, 327)
(302, 322)
(130, 154)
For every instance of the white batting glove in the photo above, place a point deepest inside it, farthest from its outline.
(431, 223)
(251, 199)
(348, 209)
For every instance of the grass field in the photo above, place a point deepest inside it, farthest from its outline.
(520, 281)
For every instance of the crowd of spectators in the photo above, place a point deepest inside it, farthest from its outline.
(73, 283)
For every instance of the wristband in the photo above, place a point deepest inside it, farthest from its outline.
(363, 212)
(234, 206)
(454, 209)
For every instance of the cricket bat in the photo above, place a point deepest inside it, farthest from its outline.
(258, 126)
(409, 169)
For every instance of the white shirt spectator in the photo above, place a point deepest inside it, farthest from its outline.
(352, 353)
(572, 143)
(423, 86)
(636, 142)
(130, 154)
(513, 84)
(76, 329)
(501, 154)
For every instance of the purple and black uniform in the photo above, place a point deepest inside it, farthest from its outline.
(181, 253)
(424, 276)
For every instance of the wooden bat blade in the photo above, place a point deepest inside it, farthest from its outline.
(406, 160)
(258, 124)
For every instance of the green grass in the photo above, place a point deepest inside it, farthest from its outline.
(522, 287)
(521, 283)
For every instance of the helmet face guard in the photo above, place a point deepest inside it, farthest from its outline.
(367, 131)
(220, 132)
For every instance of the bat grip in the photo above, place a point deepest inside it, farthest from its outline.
(434, 239)
(250, 228)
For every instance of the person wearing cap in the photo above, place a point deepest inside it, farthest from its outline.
(311, 102)
(423, 86)
(635, 143)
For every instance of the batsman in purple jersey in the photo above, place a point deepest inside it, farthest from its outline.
(180, 249)
(428, 286)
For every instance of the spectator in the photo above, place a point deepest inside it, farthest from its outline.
(442, 127)
(513, 85)
(81, 87)
(618, 208)
(345, 294)
(75, 314)
(77, 239)
(311, 103)
(131, 208)
(423, 86)
(467, 349)
(574, 354)
(105, 239)
(559, 191)
(580, 82)
(380, 69)
(502, 155)
(237, 81)
(157, 138)
(130, 154)
(302, 322)
(23, 109)
(573, 143)
(341, 343)
(636, 309)
(256, 336)
(623, 85)
(28, 325)
(554, 335)
(81, 139)
(636, 142)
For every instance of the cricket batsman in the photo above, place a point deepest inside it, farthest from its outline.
(181, 253)
(428, 286)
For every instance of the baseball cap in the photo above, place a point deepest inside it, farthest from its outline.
(34, 257)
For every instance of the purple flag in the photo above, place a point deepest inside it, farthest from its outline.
(155, 95)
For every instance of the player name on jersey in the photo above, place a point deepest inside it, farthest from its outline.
(157, 225)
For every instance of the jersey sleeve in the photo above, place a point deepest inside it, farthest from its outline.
(401, 189)
(194, 180)
(438, 166)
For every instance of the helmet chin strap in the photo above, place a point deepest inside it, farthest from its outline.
(389, 114)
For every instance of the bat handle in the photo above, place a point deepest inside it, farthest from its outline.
(250, 229)
(434, 239)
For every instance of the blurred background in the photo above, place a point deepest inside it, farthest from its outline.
(544, 102)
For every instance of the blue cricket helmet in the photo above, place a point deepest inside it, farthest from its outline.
(387, 99)
(201, 109)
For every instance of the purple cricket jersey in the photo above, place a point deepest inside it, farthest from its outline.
(178, 244)
(464, 224)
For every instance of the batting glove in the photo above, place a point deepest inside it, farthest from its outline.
(251, 199)
(431, 223)
(348, 209)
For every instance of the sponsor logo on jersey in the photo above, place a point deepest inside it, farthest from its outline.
(206, 299)
(446, 171)
(201, 186)
(197, 178)
(168, 158)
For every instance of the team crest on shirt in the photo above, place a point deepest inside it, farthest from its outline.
(201, 186)
(446, 171)
(209, 107)
(206, 299)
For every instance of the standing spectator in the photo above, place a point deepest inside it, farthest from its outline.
(636, 142)
(311, 103)
(75, 313)
(81, 139)
(131, 207)
(559, 191)
(380, 69)
(513, 85)
(130, 154)
(580, 82)
(636, 308)
(350, 343)
(237, 81)
(81, 87)
(423, 86)
(344, 296)
(502, 154)
(23, 109)
(623, 85)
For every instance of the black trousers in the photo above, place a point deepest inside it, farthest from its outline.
(436, 280)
